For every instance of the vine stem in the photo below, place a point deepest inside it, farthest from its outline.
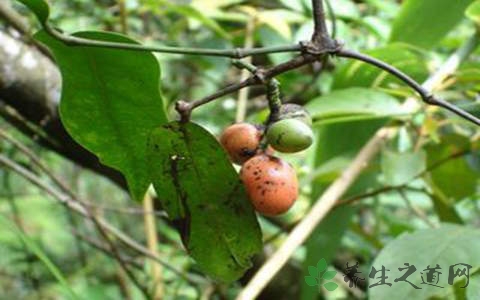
(229, 53)
(320, 26)
(260, 77)
(426, 96)
(320, 31)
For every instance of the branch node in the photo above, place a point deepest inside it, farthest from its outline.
(431, 99)
(184, 109)
(260, 76)
(238, 53)
(326, 46)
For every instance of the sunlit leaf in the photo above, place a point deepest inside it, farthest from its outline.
(110, 102)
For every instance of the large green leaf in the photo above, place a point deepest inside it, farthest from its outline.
(445, 246)
(353, 103)
(110, 102)
(424, 23)
(204, 198)
(401, 56)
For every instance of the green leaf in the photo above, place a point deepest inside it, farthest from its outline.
(473, 12)
(39, 7)
(401, 167)
(424, 23)
(110, 102)
(329, 275)
(204, 197)
(321, 265)
(445, 246)
(37, 251)
(330, 286)
(353, 102)
(404, 57)
(311, 281)
(313, 271)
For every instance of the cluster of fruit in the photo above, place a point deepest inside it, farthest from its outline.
(270, 182)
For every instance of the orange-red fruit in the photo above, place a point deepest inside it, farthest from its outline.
(271, 184)
(241, 141)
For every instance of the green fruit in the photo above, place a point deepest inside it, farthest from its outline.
(295, 111)
(289, 136)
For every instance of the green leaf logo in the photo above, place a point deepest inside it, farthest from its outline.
(320, 273)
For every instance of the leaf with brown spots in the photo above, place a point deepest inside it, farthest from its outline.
(207, 202)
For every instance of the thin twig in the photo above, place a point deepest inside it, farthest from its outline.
(101, 247)
(419, 213)
(260, 78)
(426, 96)
(86, 212)
(228, 53)
(78, 208)
(35, 160)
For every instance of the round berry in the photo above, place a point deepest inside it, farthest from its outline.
(271, 184)
(241, 141)
(289, 136)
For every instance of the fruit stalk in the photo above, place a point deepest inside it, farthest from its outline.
(274, 101)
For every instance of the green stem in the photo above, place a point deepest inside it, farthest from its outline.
(241, 64)
(274, 101)
(231, 53)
